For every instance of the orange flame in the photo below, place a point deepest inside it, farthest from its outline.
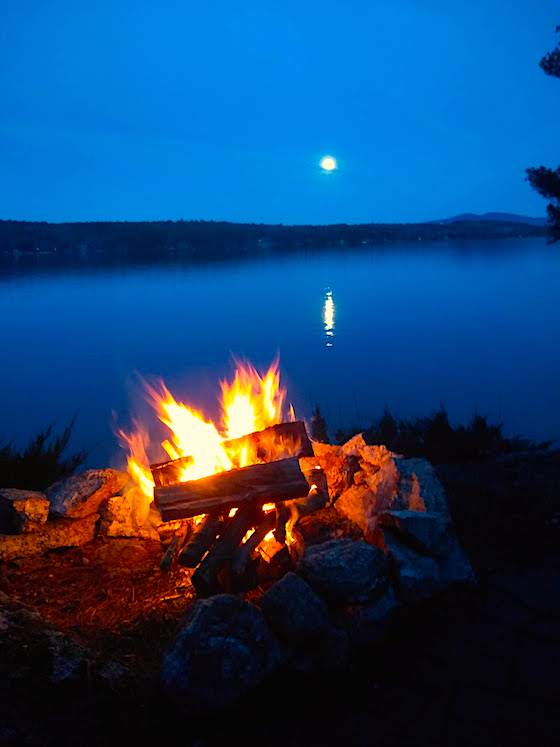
(250, 402)
(137, 442)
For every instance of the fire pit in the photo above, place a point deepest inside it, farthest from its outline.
(299, 552)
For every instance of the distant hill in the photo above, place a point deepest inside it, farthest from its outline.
(203, 241)
(493, 217)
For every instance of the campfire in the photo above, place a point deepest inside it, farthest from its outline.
(318, 547)
(235, 489)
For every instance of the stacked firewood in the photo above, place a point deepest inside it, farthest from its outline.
(249, 513)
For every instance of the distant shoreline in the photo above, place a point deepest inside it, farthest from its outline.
(200, 241)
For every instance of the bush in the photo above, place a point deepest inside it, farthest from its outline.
(41, 463)
(436, 439)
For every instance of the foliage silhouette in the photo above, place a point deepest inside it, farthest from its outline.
(544, 180)
(41, 463)
(434, 438)
(319, 427)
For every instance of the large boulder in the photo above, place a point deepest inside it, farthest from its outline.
(54, 533)
(338, 466)
(374, 486)
(223, 650)
(419, 488)
(81, 495)
(417, 577)
(129, 515)
(433, 535)
(22, 510)
(387, 482)
(344, 570)
(326, 524)
(300, 619)
(427, 533)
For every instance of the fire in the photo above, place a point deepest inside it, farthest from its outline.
(250, 402)
(137, 442)
(191, 435)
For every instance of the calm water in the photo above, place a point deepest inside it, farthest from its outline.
(473, 325)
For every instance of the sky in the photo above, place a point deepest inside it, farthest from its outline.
(136, 110)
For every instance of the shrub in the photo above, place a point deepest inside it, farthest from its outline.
(41, 463)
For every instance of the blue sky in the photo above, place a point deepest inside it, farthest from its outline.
(220, 110)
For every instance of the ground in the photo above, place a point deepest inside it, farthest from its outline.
(472, 667)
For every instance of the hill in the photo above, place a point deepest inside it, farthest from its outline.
(494, 217)
(201, 241)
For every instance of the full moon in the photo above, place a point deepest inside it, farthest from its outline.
(328, 163)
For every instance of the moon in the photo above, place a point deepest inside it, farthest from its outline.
(328, 163)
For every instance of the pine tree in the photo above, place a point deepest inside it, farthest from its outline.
(544, 180)
(319, 427)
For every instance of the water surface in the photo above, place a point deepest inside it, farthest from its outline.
(472, 325)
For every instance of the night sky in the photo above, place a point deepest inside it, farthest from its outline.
(221, 110)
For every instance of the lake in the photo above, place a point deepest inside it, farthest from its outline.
(472, 325)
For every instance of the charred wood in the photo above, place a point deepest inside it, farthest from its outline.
(243, 554)
(201, 541)
(257, 483)
(280, 564)
(174, 548)
(282, 518)
(279, 441)
(205, 579)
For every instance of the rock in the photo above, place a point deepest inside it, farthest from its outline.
(81, 495)
(300, 619)
(359, 505)
(354, 446)
(22, 510)
(35, 652)
(339, 468)
(223, 650)
(54, 533)
(417, 577)
(129, 515)
(293, 610)
(419, 488)
(387, 483)
(427, 533)
(344, 570)
(432, 534)
(327, 524)
(382, 478)
(374, 489)
(369, 623)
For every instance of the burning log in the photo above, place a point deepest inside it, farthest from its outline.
(201, 541)
(283, 514)
(243, 554)
(205, 578)
(258, 483)
(174, 548)
(273, 443)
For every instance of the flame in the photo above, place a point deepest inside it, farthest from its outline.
(192, 436)
(251, 401)
(137, 442)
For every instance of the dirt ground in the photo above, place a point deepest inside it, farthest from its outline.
(472, 667)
